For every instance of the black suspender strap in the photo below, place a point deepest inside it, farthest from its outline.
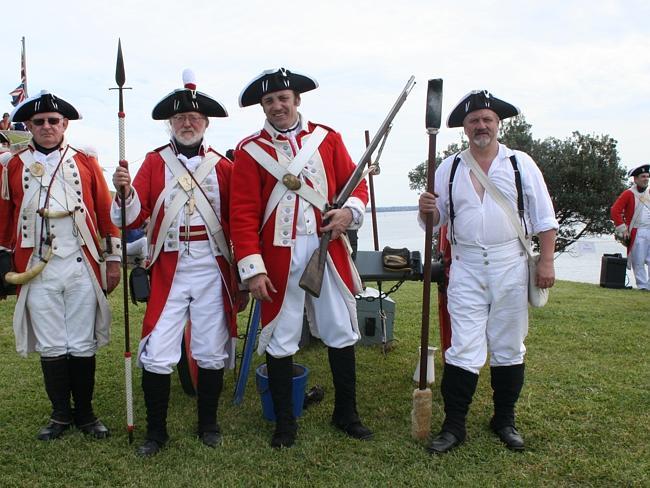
(454, 167)
(520, 192)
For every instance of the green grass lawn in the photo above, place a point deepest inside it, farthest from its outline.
(584, 413)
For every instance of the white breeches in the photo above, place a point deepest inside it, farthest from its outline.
(488, 305)
(61, 303)
(196, 295)
(640, 257)
(329, 314)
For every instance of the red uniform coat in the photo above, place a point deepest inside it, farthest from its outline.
(96, 197)
(622, 212)
(149, 183)
(251, 187)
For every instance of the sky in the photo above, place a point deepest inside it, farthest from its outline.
(569, 65)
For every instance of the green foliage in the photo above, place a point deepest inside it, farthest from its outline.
(583, 412)
(582, 172)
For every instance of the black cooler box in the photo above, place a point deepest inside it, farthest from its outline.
(613, 269)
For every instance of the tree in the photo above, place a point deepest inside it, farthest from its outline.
(582, 172)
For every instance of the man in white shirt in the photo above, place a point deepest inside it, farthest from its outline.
(488, 284)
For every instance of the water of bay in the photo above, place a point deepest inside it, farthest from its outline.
(581, 262)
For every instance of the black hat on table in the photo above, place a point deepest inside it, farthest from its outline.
(275, 80)
(478, 100)
(4, 139)
(188, 99)
(43, 102)
(644, 168)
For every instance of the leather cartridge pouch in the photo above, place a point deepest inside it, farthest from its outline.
(5, 267)
(396, 259)
(139, 285)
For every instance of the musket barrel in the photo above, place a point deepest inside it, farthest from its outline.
(312, 278)
(357, 175)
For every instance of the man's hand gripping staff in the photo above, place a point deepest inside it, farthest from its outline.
(312, 279)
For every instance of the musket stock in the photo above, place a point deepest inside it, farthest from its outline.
(310, 281)
(312, 278)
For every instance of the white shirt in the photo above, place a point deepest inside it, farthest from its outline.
(484, 223)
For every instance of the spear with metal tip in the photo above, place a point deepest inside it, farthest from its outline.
(120, 79)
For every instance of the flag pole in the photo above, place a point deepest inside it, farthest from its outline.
(23, 66)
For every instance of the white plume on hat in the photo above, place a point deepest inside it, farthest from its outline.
(189, 79)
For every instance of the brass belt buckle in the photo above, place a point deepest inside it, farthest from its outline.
(292, 182)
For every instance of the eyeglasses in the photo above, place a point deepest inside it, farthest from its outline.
(50, 120)
(180, 118)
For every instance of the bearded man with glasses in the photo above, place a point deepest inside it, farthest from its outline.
(184, 187)
(55, 208)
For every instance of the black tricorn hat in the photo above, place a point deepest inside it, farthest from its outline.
(275, 80)
(644, 168)
(43, 102)
(188, 100)
(477, 100)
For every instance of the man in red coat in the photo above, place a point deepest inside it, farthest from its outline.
(184, 187)
(285, 176)
(55, 208)
(631, 216)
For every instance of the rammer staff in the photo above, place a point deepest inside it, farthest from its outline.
(421, 414)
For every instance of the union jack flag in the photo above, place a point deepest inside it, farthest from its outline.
(20, 93)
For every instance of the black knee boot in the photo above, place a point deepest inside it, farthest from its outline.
(345, 416)
(457, 387)
(156, 399)
(507, 382)
(280, 373)
(208, 390)
(56, 375)
(82, 376)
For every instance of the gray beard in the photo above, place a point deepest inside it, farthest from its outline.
(189, 141)
(481, 142)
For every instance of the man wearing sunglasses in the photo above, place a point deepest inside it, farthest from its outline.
(184, 187)
(55, 208)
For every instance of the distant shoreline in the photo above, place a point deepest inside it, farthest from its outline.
(404, 208)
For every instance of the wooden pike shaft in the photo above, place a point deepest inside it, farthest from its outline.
(428, 248)
(432, 123)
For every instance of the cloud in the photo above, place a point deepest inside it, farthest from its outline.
(573, 65)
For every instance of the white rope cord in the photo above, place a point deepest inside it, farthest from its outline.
(122, 138)
(129, 391)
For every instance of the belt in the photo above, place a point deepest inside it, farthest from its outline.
(196, 233)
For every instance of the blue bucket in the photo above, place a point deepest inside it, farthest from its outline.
(300, 374)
